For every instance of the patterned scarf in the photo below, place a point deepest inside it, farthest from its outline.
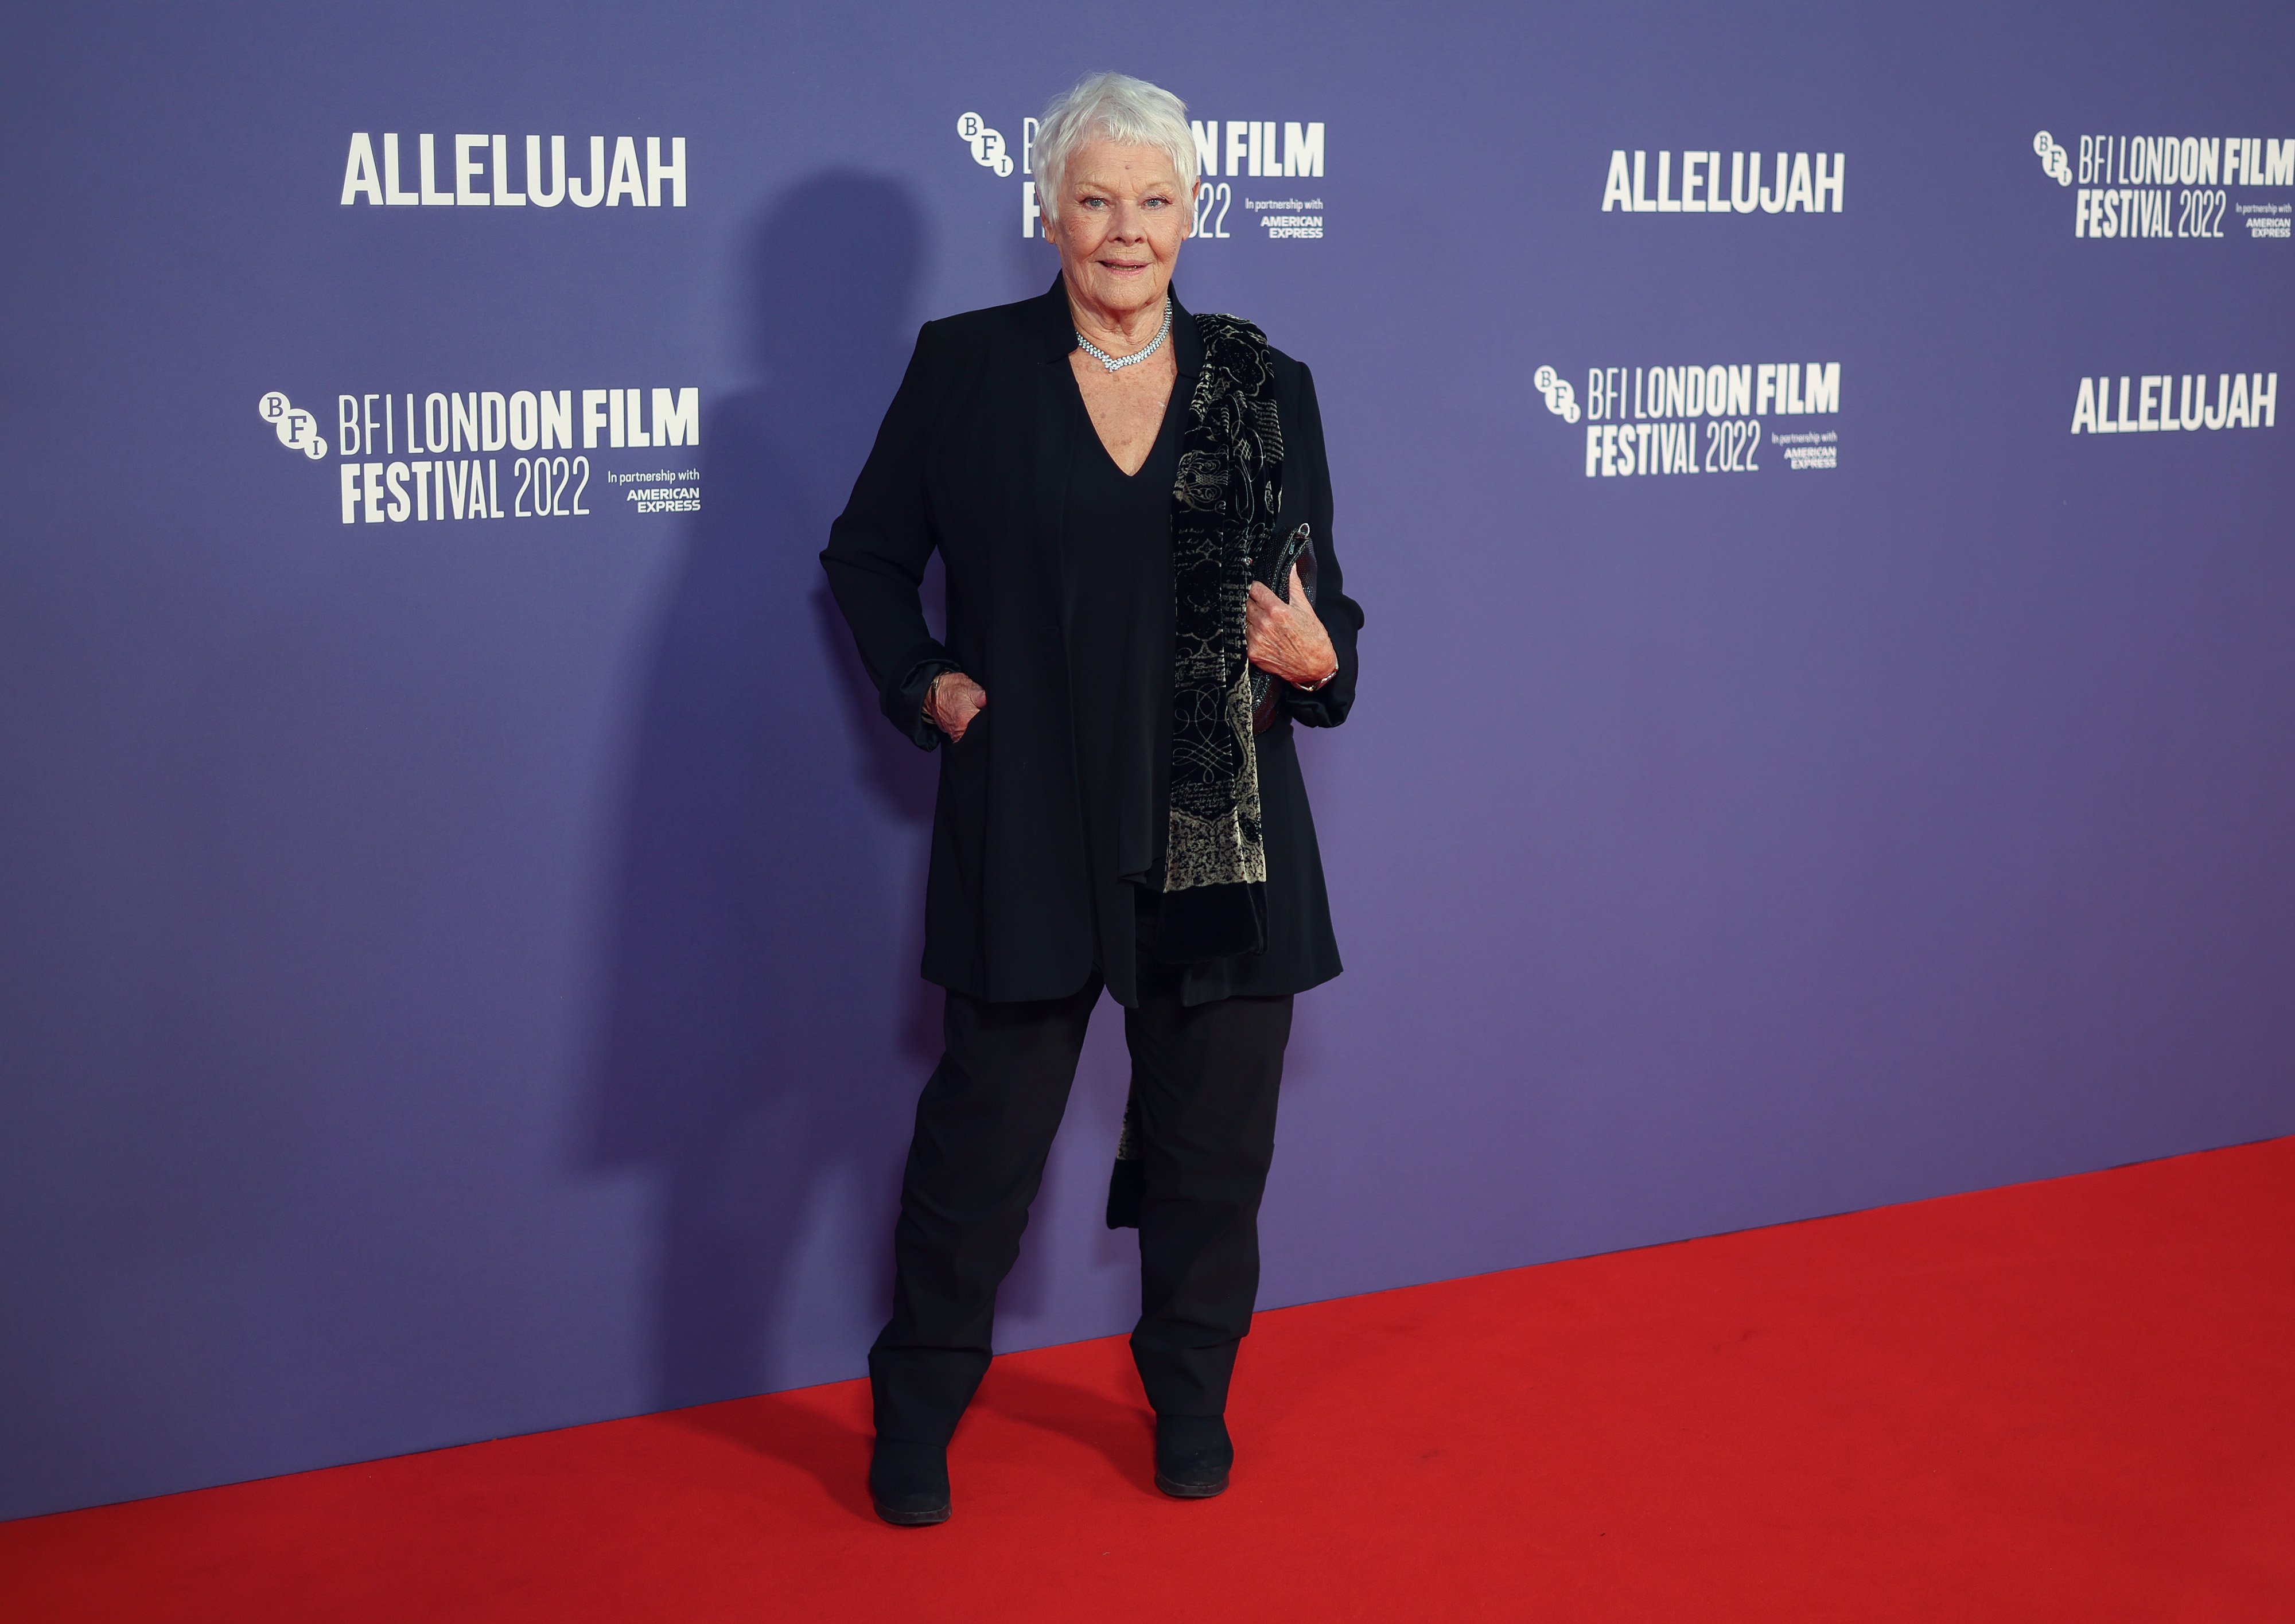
(1223, 515)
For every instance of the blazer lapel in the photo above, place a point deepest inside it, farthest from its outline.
(1187, 347)
(1056, 418)
(1055, 422)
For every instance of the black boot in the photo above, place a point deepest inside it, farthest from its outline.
(1193, 1456)
(909, 1482)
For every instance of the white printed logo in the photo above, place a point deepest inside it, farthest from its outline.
(987, 145)
(1242, 149)
(2054, 160)
(2237, 400)
(474, 172)
(2172, 186)
(1796, 185)
(1701, 419)
(1561, 399)
(296, 428)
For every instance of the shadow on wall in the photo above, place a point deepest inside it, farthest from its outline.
(767, 1029)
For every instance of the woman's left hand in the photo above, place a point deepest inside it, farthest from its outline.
(1288, 638)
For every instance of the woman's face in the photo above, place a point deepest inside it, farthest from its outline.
(1122, 220)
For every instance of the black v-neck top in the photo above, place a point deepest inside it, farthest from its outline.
(1115, 598)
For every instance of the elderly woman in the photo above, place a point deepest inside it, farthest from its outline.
(1134, 511)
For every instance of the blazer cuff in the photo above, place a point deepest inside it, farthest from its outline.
(904, 701)
(1327, 705)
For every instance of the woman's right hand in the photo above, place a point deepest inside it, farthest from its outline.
(955, 699)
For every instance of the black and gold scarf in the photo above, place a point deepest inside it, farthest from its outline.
(1224, 509)
(1224, 514)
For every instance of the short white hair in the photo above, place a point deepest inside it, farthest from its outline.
(1109, 107)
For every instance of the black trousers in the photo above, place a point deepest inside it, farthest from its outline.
(1207, 1079)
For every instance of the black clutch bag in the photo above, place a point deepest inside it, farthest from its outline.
(1298, 548)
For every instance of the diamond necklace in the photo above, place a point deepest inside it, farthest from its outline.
(1116, 363)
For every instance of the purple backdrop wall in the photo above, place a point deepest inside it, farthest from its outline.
(459, 974)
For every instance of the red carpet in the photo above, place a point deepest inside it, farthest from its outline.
(2071, 1401)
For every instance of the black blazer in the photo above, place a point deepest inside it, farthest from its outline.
(973, 459)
